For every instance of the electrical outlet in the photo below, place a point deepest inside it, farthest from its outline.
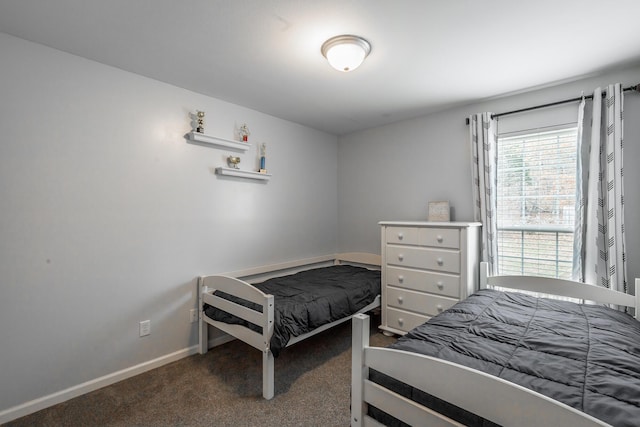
(193, 315)
(145, 328)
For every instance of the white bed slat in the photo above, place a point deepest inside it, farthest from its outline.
(242, 333)
(490, 397)
(565, 288)
(245, 313)
(404, 409)
(235, 287)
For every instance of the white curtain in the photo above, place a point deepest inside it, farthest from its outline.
(484, 160)
(578, 230)
(604, 240)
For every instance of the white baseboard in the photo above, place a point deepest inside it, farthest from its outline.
(89, 386)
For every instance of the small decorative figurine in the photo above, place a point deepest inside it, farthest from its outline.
(200, 115)
(263, 158)
(233, 161)
(244, 132)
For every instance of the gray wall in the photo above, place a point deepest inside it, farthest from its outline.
(108, 215)
(391, 172)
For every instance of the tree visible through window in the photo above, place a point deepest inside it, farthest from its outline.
(536, 203)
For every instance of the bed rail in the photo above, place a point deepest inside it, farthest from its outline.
(361, 258)
(248, 273)
(485, 395)
(565, 288)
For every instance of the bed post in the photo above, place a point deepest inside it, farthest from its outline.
(268, 380)
(268, 377)
(484, 275)
(637, 307)
(359, 341)
(203, 327)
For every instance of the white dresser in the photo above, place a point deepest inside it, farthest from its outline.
(426, 268)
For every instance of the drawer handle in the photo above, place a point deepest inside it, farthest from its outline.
(439, 239)
(439, 308)
(400, 300)
(400, 257)
(401, 279)
(400, 321)
(400, 236)
(440, 285)
(440, 262)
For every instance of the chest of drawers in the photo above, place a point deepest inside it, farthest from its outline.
(426, 268)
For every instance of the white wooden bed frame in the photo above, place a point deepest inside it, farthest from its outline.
(238, 283)
(490, 397)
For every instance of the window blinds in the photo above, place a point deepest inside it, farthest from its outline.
(536, 202)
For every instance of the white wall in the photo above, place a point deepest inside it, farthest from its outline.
(391, 172)
(108, 215)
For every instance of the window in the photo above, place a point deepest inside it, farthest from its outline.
(536, 196)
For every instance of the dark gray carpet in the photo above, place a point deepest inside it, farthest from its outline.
(224, 388)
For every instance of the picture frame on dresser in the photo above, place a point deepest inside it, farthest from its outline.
(427, 267)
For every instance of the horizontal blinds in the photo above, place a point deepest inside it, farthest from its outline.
(536, 202)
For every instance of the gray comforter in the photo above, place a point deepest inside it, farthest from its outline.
(585, 356)
(307, 300)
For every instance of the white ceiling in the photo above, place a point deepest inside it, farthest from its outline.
(427, 55)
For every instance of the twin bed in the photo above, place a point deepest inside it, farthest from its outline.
(506, 358)
(273, 307)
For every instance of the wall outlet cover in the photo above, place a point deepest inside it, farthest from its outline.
(145, 328)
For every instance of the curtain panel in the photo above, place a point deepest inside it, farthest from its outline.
(484, 160)
(604, 239)
(579, 226)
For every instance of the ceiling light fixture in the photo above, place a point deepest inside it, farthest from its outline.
(345, 53)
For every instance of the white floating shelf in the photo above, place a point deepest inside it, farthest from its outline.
(243, 174)
(217, 142)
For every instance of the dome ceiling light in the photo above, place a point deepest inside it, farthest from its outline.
(345, 53)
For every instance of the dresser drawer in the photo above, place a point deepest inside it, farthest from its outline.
(431, 259)
(439, 237)
(403, 320)
(402, 235)
(425, 281)
(426, 304)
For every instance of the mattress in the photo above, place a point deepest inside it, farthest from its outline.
(308, 299)
(586, 356)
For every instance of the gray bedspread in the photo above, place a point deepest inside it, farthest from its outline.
(586, 356)
(309, 299)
